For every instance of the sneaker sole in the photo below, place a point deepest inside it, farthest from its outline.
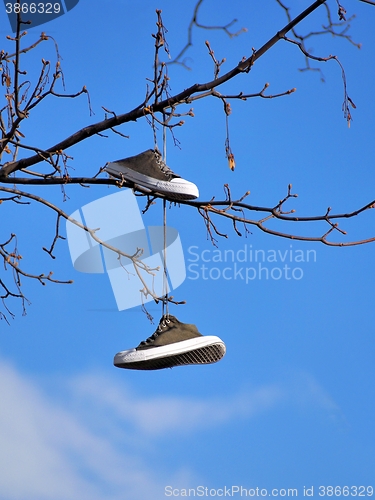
(195, 351)
(179, 189)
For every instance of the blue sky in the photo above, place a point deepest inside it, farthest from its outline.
(291, 405)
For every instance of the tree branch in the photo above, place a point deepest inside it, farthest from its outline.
(182, 97)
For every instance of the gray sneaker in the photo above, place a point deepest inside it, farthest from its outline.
(148, 170)
(173, 344)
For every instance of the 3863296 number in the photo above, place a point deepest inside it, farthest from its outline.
(33, 8)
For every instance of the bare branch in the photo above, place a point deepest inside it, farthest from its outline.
(194, 22)
(13, 258)
(159, 109)
(160, 106)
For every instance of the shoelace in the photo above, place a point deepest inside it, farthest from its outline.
(156, 334)
(164, 167)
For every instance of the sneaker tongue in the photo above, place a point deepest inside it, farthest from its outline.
(169, 172)
(164, 167)
(167, 318)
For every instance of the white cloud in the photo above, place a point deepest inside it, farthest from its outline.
(306, 391)
(95, 438)
(180, 414)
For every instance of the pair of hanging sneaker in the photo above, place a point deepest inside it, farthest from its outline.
(173, 343)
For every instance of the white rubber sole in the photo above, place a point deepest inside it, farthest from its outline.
(196, 351)
(177, 188)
